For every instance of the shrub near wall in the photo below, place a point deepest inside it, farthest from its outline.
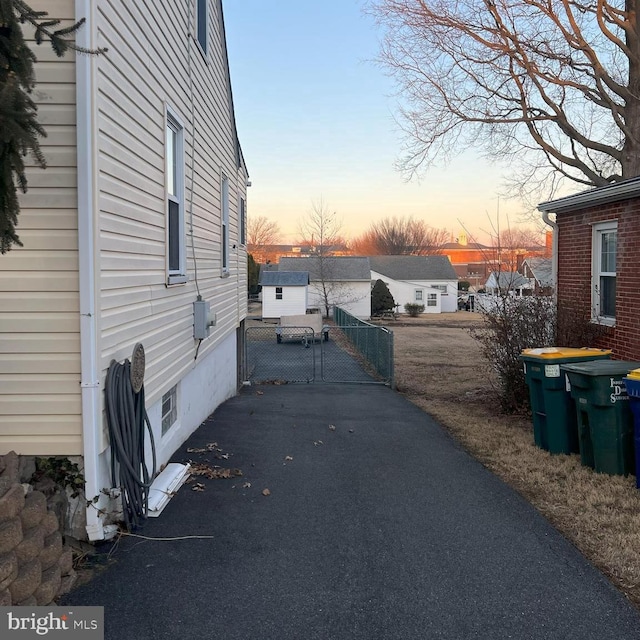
(35, 566)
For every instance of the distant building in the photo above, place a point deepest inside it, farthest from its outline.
(474, 262)
(271, 253)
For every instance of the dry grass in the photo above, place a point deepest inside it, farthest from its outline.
(440, 369)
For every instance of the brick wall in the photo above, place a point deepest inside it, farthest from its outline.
(574, 270)
(35, 565)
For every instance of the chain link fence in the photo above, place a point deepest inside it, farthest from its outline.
(355, 352)
(372, 344)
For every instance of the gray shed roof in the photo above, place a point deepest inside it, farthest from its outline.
(414, 267)
(284, 278)
(337, 268)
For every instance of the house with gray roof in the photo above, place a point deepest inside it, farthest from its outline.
(427, 280)
(539, 271)
(343, 281)
(284, 293)
(502, 282)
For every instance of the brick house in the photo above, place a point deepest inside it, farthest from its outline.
(596, 260)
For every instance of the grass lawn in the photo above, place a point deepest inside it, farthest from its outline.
(439, 368)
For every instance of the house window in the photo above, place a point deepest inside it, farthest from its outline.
(175, 200)
(418, 295)
(201, 23)
(440, 287)
(225, 225)
(605, 240)
(432, 299)
(243, 222)
(278, 293)
(169, 409)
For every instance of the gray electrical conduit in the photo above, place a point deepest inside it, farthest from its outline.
(126, 419)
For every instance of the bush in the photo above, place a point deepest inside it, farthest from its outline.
(381, 299)
(414, 310)
(514, 324)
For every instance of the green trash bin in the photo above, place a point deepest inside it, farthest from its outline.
(555, 428)
(605, 421)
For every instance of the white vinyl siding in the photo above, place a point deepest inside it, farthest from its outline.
(40, 412)
(292, 301)
(147, 68)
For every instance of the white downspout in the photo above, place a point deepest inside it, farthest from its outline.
(87, 252)
(554, 252)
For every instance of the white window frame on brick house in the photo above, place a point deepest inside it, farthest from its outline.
(603, 270)
(176, 263)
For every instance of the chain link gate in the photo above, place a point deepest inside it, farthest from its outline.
(272, 357)
(350, 352)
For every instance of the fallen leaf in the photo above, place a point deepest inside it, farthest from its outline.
(288, 458)
(212, 446)
(198, 486)
(214, 473)
(246, 485)
(317, 442)
(332, 427)
(259, 393)
(266, 492)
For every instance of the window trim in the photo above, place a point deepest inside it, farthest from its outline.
(598, 230)
(418, 295)
(225, 254)
(202, 34)
(174, 123)
(279, 293)
(432, 300)
(242, 215)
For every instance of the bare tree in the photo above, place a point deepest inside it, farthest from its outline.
(261, 231)
(321, 228)
(552, 86)
(400, 236)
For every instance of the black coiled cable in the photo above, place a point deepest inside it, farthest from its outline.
(126, 419)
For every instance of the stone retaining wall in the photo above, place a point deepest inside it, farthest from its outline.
(35, 565)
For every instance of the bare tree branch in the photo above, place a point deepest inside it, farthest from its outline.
(542, 83)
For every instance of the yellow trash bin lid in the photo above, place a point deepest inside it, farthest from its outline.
(565, 352)
(634, 375)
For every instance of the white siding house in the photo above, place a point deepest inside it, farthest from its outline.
(139, 213)
(343, 281)
(427, 280)
(284, 293)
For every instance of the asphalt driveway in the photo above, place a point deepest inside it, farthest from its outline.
(379, 528)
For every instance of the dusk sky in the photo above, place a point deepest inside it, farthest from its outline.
(316, 120)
